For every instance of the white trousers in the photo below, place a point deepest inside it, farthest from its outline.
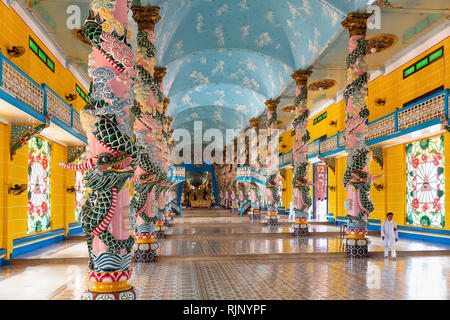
(393, 253)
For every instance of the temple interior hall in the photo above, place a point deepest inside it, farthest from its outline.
(224, 150)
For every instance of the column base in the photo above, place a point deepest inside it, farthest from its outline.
(144, 256)
(160, 234)
(160, 230)
(255, 215)
(300, 230)
(129, 294)
(356, 248)
(272, 220)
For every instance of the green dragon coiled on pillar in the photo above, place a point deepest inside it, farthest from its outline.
(300, 183)
(361, 181)
(106, 179)
(273, 188)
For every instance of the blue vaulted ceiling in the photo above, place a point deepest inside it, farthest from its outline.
(226, 57)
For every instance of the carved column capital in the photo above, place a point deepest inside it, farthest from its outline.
(301, 76)
(272, 105)
(146, 17)
(159, 74)
(356, 23)
(166, 102)
(255, 122)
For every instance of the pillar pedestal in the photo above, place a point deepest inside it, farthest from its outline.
(145, 248)
(356, 244)
(109, 286)
(160, 229)
(300, 227)
(272, 218)
(255, 214)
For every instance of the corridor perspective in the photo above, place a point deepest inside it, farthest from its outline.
(214, 254)
(196, 150)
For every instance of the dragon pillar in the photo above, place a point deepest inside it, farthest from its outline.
(300, 181)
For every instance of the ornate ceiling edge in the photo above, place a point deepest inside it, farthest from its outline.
(40, 31)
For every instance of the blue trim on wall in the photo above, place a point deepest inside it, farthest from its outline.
(21, 106)
(179, 193)
(405, 231)
(2, 256)
(37, 236)
(65, 127)
(75, 230)
(55, 236)
(326, 154)
(427, 230)
(74, 224)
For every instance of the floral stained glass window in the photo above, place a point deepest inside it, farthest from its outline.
(80, 191)
(425, 183)
(39, 154)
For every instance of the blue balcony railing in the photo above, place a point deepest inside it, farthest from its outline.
(246, 173)
(421, 114)
(18, 89)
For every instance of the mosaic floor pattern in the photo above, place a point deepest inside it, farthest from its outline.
(229, 257)
(410, 278)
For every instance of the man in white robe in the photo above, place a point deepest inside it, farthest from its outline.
(389, 235)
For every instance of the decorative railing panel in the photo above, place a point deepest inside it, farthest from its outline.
(58, 108)
(421, 112)
(313, 148)
(341, 138)
(286, 158)
(40, 98)
(177, 173)
(381, 128)
(431, 108)
(328, 145)
(20, 87)
(77, 124)
(258, 176)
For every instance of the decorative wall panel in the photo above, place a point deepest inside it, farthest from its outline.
(39, 155)
(425, 183)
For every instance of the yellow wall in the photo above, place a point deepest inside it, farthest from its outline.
(397, 91)
(13, 209)
(287, 194)
(4, 160)
(335, 112)
(14, 32)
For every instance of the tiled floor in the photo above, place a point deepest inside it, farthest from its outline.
(229, 257)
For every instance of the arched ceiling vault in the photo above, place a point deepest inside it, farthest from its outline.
(225, 58)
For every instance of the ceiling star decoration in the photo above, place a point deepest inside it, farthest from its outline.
(380, 42)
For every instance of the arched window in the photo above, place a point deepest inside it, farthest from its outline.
(39, 155)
